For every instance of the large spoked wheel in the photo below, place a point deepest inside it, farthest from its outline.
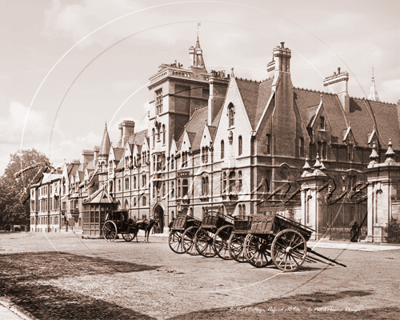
(188, 240)
(109, 231)
(258, 250)
(236, 247)
(128, 237)
(289, 250)
(221, 243)
(175, 242)
(204, 243)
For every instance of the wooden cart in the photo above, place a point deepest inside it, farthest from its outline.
(182, 232)
(213, 235)
(274, 238)
(242, 225)
(118, 222)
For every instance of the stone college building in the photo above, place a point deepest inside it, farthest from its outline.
(241, 147)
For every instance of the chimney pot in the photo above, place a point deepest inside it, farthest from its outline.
(338, 69)
(282, 44)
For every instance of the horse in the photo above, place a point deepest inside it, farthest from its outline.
(146, 225)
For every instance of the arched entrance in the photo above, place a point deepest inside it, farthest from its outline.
(159, 214)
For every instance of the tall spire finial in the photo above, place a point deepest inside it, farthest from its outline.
(373, 93)
(198, 35)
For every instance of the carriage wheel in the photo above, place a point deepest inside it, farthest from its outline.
(204, 243)
(220, 242)
(109, 231)
(188, 240)
(128, 237)
(236, 247)
(258, 250)
(175, 242)
(289, 250)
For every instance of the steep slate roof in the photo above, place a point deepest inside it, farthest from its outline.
(359, 118)
(100, 196)
(118, 153)
(213, 132)
(362, 123)
(195, 127)
(81, 175)
(138, 137)
(255, 96)
(105, 143)
(331, 104)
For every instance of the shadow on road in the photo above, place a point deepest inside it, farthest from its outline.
(52, 265)
(21, 276)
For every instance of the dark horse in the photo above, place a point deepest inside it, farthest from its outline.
(146, 225)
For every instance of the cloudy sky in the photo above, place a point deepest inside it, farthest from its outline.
(68, 67)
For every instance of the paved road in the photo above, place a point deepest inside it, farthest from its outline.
(152, 281)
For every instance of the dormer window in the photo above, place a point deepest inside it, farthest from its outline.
(231, 115)
(322, 123)
(159, 102)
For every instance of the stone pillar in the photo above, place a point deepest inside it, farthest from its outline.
(312, 201)
(383, 179)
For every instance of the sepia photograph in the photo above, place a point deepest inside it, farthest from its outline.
(199, 159)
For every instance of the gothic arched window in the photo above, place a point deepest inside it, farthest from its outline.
(222, 149)
(231, 115)
(240, 145)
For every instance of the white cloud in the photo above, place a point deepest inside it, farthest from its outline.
(77, 20)
(389, 91)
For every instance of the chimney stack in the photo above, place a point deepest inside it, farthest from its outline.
(88, 156)
(127, 128)
(338, 84)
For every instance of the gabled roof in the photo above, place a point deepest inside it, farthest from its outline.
(100, 196)
(255, 96)
(194, 128)
(307, 103)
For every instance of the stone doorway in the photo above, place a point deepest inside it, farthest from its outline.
(159, 214)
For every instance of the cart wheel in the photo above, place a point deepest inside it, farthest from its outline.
(175, 242)
(109, 231)
(236, 249)
(188, 240)
(203, 241)
(289, 250)
(258, 250)
(128, 236)
(220, 242)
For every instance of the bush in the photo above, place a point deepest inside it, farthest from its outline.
(393, 231)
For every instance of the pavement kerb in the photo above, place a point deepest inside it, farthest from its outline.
(9, 311)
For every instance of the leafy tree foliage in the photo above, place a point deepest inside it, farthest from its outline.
(15, 190)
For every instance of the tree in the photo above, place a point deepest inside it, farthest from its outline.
(14, 190)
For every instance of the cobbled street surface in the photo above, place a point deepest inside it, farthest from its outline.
(61, 276)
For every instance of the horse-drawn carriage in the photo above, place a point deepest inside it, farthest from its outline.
(118, 222)
(182, 232)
